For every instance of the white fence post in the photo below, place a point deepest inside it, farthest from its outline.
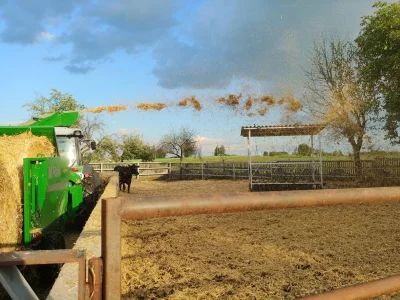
(170, 170)
(101, 167)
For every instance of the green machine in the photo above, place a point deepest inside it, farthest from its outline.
(53, 186)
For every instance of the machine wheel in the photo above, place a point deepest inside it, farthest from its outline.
(51, 241)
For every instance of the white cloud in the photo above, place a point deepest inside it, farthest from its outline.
(260, 40)
(212, 45)
(123, 131)
(46, 35)
(207, 140)
(25, 21)
(208, 144)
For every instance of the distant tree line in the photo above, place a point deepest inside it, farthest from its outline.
(125, 148)
(303, 150)
(219, 150)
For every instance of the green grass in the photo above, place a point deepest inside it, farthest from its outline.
(292, 157)
(253, 159)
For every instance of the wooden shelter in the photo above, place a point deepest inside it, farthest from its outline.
(301, 173)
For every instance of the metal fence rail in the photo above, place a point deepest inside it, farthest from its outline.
(17, 286)
(114, 210)
(367, 290)
(331, 169)
(145, 168)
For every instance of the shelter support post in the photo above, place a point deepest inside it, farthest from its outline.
(249, 159)
(320, 161)
(312, 161)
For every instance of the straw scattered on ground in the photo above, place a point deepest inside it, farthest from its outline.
(13, 149)
(281, 254)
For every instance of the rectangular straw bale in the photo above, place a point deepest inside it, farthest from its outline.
(12, 151)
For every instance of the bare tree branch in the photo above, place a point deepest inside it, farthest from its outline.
(335, 94)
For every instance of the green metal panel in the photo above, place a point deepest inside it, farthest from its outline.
(47, 190)
(27, 202)
(61, 119)
(75, 196)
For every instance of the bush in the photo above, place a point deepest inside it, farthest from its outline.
(276, 153)
(304, 150)
(337, 153)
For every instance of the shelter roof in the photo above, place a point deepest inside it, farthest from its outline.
(282, 130)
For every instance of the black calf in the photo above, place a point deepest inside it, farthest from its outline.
(125, 175)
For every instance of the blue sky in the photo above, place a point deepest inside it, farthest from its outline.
(126, 52)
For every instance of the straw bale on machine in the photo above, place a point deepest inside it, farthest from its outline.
(12, 151)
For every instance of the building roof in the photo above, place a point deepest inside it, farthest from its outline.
(282, 130)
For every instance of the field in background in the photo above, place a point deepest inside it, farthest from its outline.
(281, 254)
(243, 158)
(235, 158)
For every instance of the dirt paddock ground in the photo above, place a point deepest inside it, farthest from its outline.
(280, 254)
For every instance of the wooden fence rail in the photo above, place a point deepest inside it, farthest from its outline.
(331, 169)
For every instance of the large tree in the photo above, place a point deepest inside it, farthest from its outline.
(304, 149)
(57, 101)
(336, 95)
(379, 50)
(219, 150)
(133, 147)
(108, 147)
(123, 147)
(92, 125)
(180, 144)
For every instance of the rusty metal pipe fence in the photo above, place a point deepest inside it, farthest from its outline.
(87, 289)
(23, 258)
(114, 210)
(367, 290)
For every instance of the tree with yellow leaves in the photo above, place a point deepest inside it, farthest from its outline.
(336, 95)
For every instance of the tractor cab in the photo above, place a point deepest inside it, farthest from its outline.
(69, 141)
(68, 144)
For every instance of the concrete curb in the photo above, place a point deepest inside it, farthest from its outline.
(66, 285)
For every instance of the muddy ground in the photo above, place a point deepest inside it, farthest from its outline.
(281, 254)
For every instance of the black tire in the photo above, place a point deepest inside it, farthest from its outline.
(51, 241)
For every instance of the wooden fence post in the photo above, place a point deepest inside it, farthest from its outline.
(170, 170)
(234, 171)
(202, 170)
